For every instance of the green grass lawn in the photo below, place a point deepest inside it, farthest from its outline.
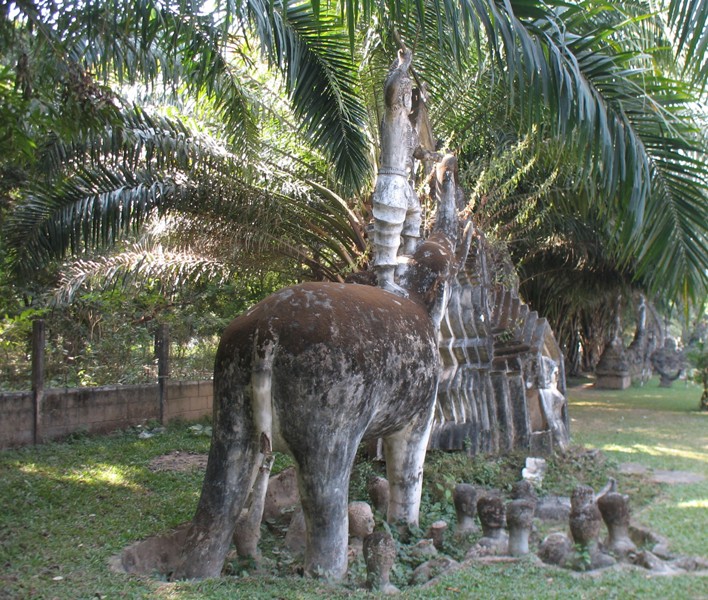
(67, 508)
(660, 429)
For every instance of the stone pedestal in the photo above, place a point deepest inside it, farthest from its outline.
(613, 381)
(613, 369)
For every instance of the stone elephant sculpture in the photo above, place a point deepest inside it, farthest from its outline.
(313, 370)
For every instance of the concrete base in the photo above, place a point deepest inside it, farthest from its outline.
(613, 381)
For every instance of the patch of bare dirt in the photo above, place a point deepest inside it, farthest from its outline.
(178, 461)
(660, 476)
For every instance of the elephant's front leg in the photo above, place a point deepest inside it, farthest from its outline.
(405, 457)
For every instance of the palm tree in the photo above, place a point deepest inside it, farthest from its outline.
(582, 79)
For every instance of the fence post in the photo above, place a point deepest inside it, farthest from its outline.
(162, 350)
(38, 343)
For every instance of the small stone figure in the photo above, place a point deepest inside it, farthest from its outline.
(379, 554)
(585, 523)
(424, 550)
(524, 490)
(556, 549)
(465, 499)
(492, 515)
(585, 518)
(436, 532)
(361, 524)
(535, 469)
(282, 496)
(612, 369)
(667, 362)
(296, 536)
(379, 493)
(519, 516)
(361, 520)
(614, 508)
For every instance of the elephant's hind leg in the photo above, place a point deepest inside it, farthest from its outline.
(323, 478)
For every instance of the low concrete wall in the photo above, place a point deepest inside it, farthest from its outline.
(97, 410)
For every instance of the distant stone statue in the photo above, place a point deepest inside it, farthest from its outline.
(553, 402)
(668, 362)
(396, 207)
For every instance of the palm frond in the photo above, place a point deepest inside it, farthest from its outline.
(313, 52)
(688, 20)
(142, 263)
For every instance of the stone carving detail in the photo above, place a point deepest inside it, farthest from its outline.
(668, 362)
(614, 508)
(315, 369)
(502, 385)
(396, 207)
(465, 499)
(380, 554)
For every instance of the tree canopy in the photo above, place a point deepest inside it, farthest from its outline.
(177, 140)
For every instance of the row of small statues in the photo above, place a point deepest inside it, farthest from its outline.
(506, 527)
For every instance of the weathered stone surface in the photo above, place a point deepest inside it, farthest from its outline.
(585, 522)
(154, 555)
(614, 508)
(556, 549)
(668, 362)
(424, 549)
(282, 495)
(379, 555)
(361, 520)
(465, 499)
(648, 560)
(612, 370)
(585, 518)
(431, 569)
(396, 208)
(519, 516)
(296, 536)
(524, 490)
(247, 531)
(553, 508)
(492, 515)
(379, 492)
(436, 532)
